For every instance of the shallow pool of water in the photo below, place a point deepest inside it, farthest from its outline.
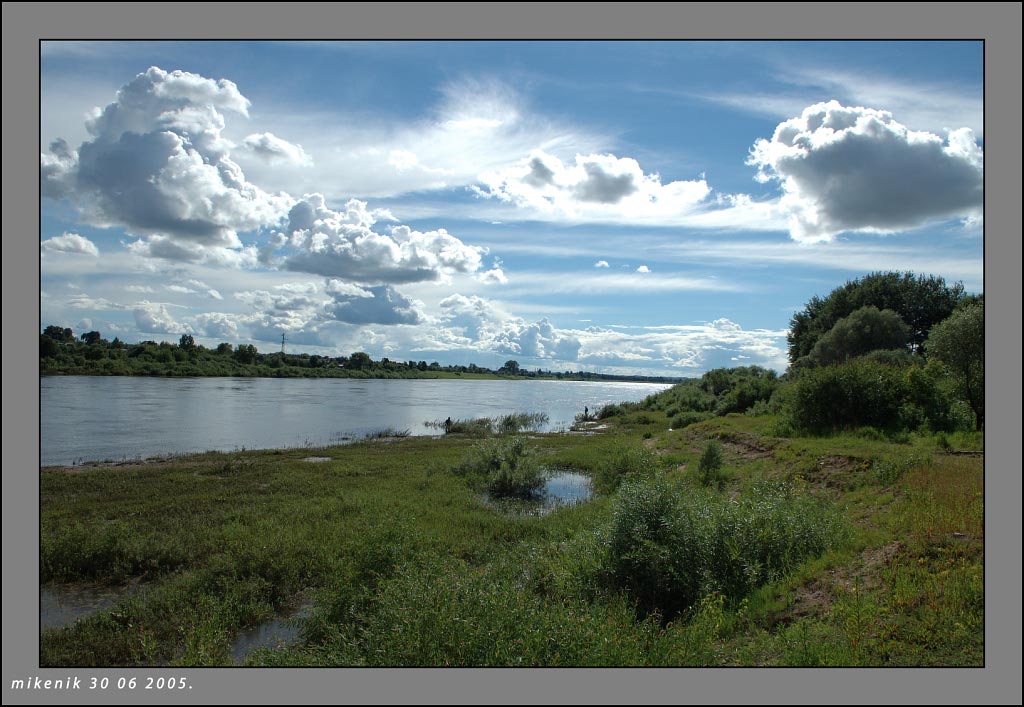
(562, 488)
(278, 632)
(63, 604)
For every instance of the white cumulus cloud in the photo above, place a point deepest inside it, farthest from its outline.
(594, 187)
(343, 244)
(858, 169)
(71, 243)
(156, 164)
(154, 318)
(275, 150)
(385, 305)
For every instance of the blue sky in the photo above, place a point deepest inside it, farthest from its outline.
(644, 207)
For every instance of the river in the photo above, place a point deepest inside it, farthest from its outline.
(96, 418)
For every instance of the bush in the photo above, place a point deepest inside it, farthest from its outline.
(864, 330)
(709, 467)
(504, 467)
(846, 396)
(667, 550)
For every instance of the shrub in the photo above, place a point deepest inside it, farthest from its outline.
(504, 467)
(612, 410)
(666, 550)
(709, 468)
(846, 396)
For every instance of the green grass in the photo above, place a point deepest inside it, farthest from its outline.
(407, 566)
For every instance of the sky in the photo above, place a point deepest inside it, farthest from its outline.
(630, 207)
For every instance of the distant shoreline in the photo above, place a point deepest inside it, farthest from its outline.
(364, 375)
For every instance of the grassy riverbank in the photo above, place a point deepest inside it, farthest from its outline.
(402, 563)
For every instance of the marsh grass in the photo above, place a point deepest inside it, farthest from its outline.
(627, 461)
(405, 566)
(513, 423)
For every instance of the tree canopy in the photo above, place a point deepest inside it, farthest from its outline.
(921, 301)
(959, 343)
(865, 330)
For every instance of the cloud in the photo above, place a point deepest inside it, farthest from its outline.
(154, 318)
(157, 164)
(643, 269)
(203, 287)
(283, 303)
(480, 324)
(343, 244)
(217, 325)
(71, 243)
(477, 125)
(385, 305)
(693, 348)
(494, 276)
(274, 150)
(474, 323)
(84, 301)
(857, 169)
(595, 187)
(539, 339)
(195, 287)
(174, 250)
(932, 106)
(601, 264)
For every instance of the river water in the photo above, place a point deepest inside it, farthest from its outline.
(96, 418)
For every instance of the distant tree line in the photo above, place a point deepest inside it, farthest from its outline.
(62, 353)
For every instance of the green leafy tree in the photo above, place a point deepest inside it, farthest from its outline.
(359, 361)
(91, 337)
(510, 367)
(865, 330)
(959, 342)
(48, 348)
(245, 354)
(921, 301)
(58, 333)
(187, 343)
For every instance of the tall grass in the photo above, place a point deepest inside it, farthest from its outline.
(628, 461)
(513, 423)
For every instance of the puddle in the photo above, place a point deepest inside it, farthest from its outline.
(63, 604)
(567, 487)
(563, 488)
(275, 633)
